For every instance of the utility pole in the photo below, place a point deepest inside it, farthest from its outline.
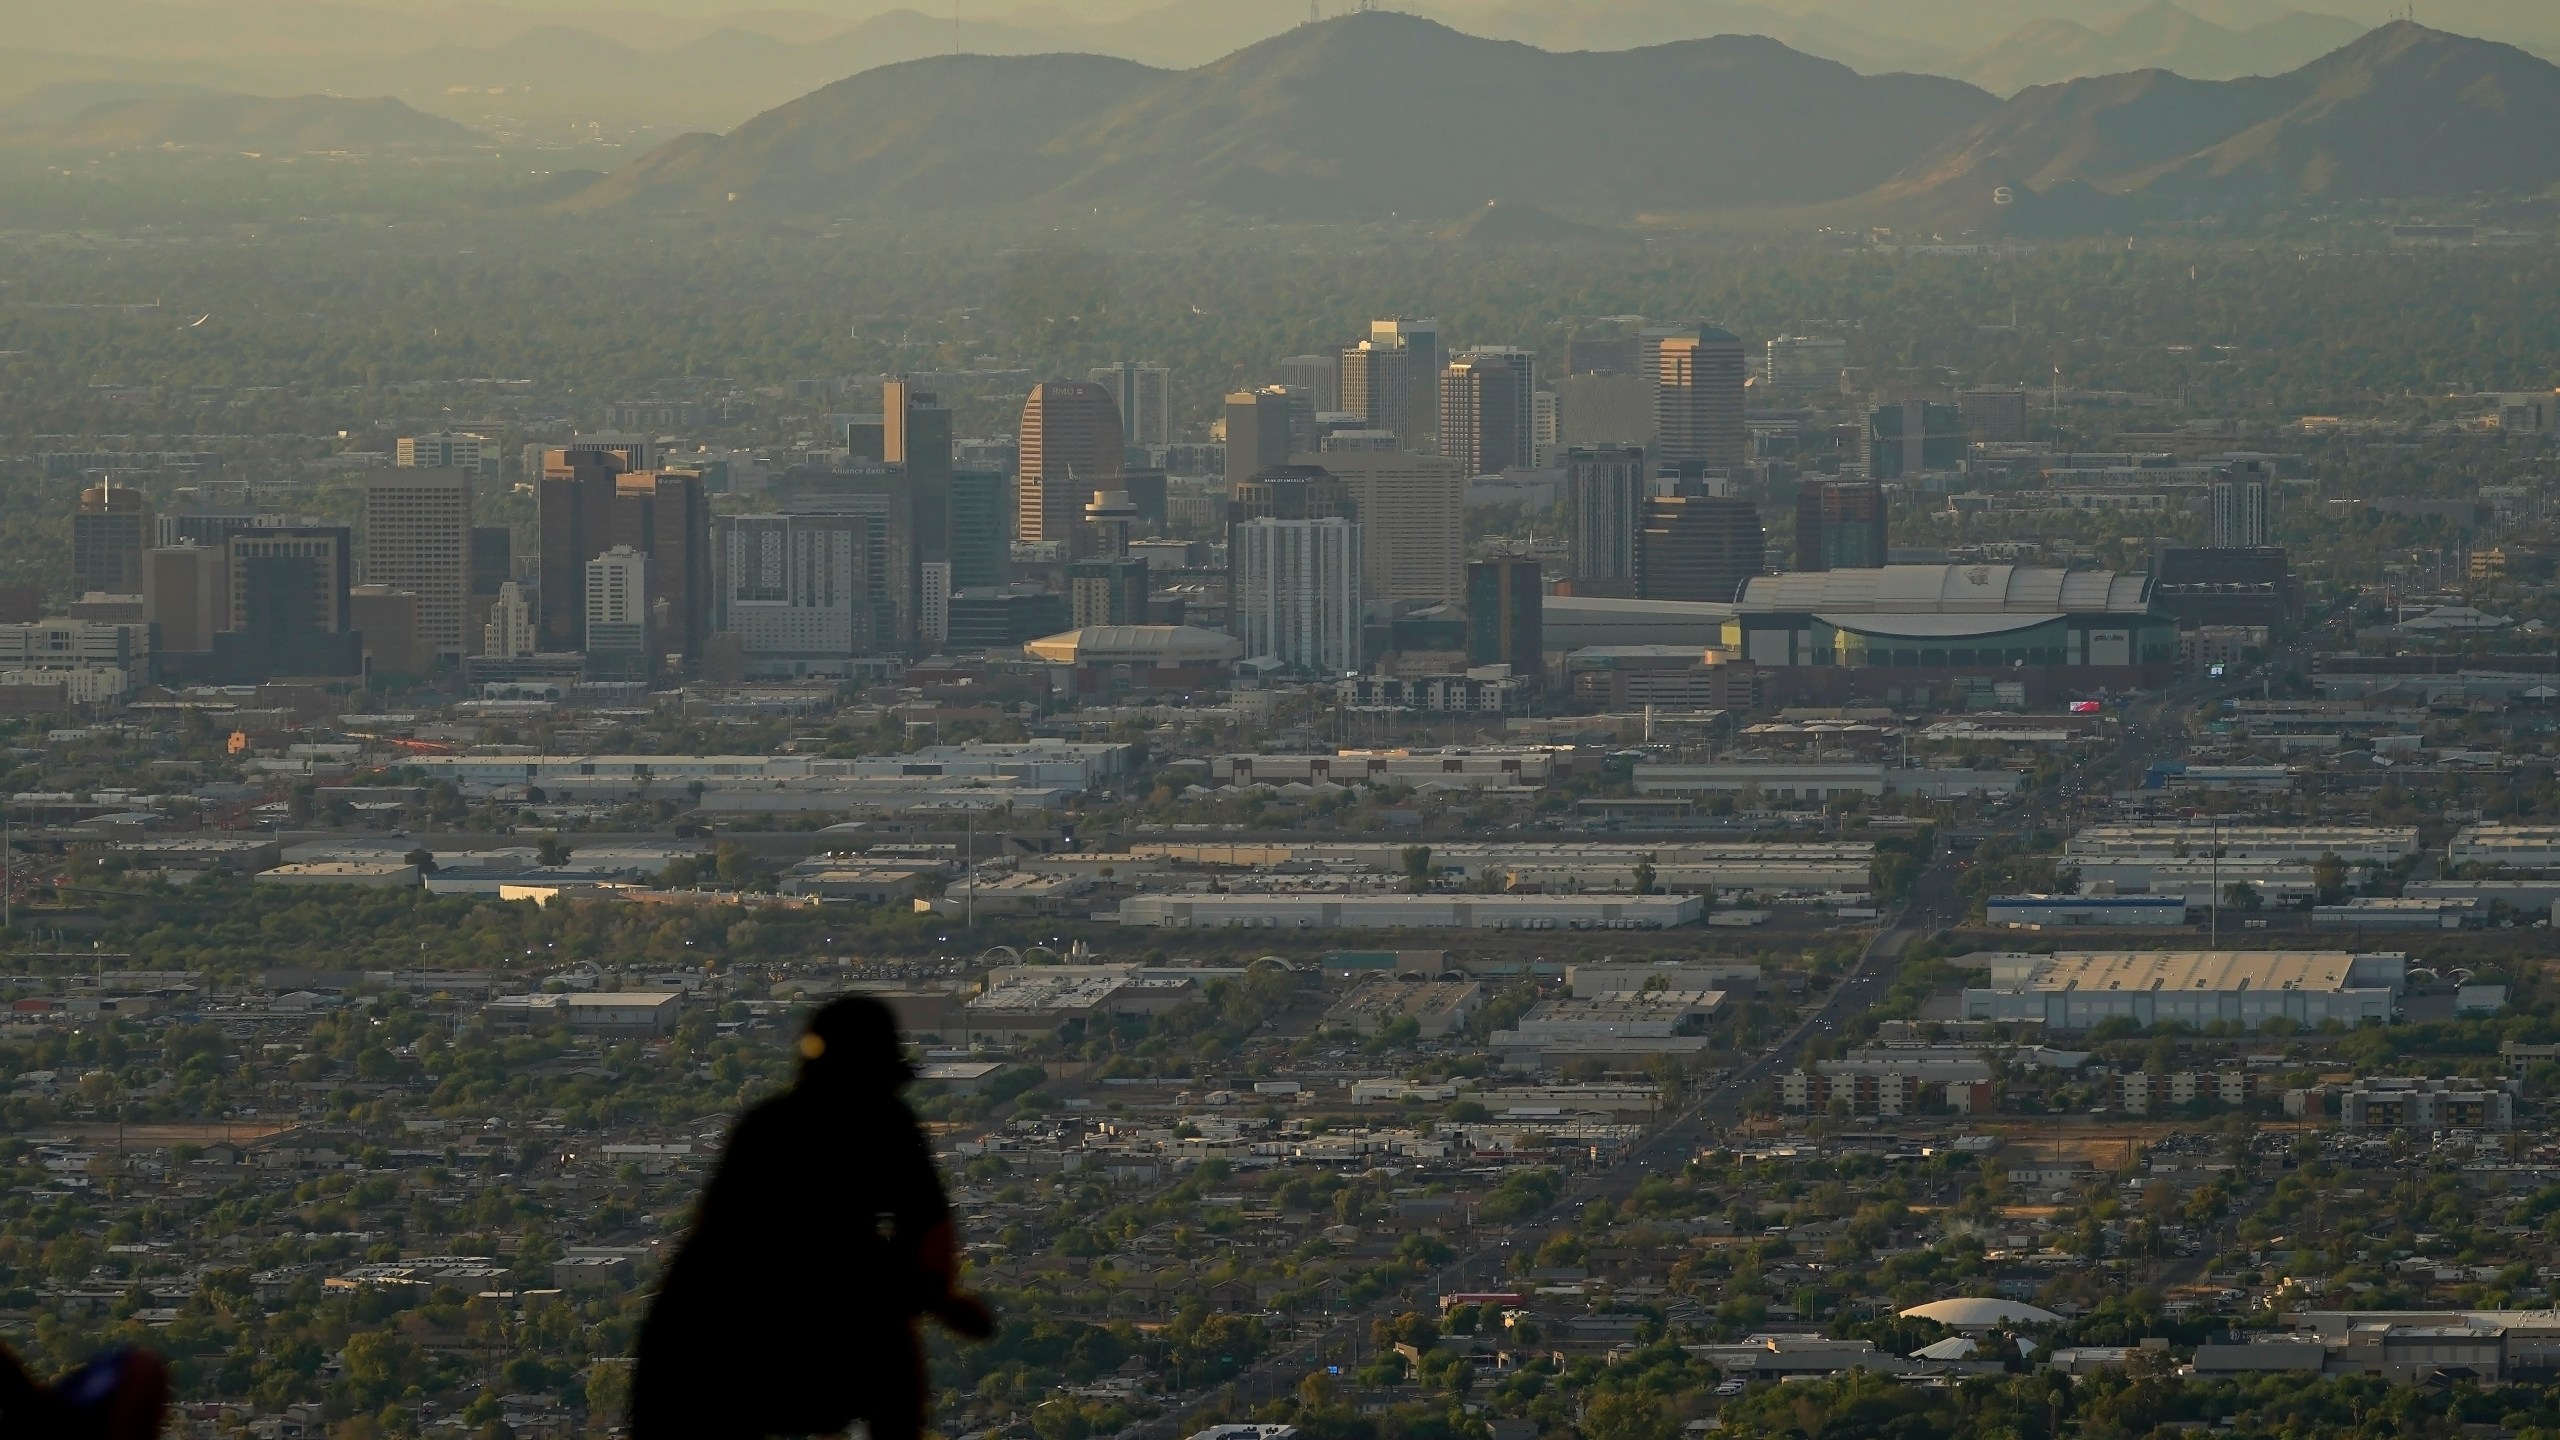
(2214, 942)
(969, 864)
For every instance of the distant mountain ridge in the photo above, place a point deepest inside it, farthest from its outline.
(2402, 113)
(1364, 115)
(2158, 36)
(301, 123)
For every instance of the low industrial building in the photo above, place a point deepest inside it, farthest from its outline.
(2303, 844)
(2506, 846)
(1590, 982)
(1439, 1007)
(2075, 912)
(372, 875)
(1444, 769)
(2077, 991)
(2201, 880)
(2397, 912)
(624, 1012)
(1626, 1027)
(1816, 782)
(1369, 911)
(1024, 1001)
(865, 884)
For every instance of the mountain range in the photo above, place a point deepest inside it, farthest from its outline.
(1366, 115)
(2402, 113)
(183, 120)
(1378, 114)
(561, 68)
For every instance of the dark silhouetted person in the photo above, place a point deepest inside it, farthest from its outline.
(824, 1236)
(121, 1394)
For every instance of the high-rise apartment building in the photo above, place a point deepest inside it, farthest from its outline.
(417, 539)
(109, 532)
(1697, 547)
(1317, 377)
(1488, 411)
(2239, 501)
(1840, 525)
(1295, 592)
(1260, 430)
(888, 565)
(790, 588)
(933, 604)
(1698, 399)
(1604, 495)
(1506, 609)
(509, 633)
(1144, 392)
(1546, 428)
(615, 611)
(1412, 514)
(1993, 415)
(1071, 445)
(453, 451)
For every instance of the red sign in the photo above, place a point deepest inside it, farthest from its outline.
(2087, 707)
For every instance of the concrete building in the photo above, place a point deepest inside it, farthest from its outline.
(1412, 515)
(1799, 365)
(790, 588)
(1465, 769)
(1840, 525)
(66, 645)
(623, 1012)
(1261, 430)
(1592, 982)
(2396, 1103)
(1368, 910)
(183, 597)
(388, 620)
(2239, 503)
(446, 451)
(417, 538)
(616, 621)
(1504, 610)
(510, 633)
(2505, 845)
(1098, 659)
(1488, 410)
(371, 874)
(2401, 912)
(1296, 593)
(596, 498)
(2076, 991)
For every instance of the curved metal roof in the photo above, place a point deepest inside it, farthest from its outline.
(1948, 590)
(1934, 627)
(1151, 644)
(1976, 1313)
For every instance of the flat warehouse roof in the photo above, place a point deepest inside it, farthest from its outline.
(2171, 970)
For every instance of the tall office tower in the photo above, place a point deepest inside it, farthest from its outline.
(1412, 514)
(182, 597)
(1071, 445)
(1318, 377)
(1697, 547)
(2239, 497)
(979, 530)
(510, 635)
(1144, 392)
(1108, 586)
(1914, 436)
(1506, 610)
(1993, 415)
(1260, 432)
(109, 532)
(1604, 494)
(1840, 525)
(417, 538)
(616, 606)
(593, 500)
(1375, 389)
(493, 564)
(933, 604)
(1424, 355)
(790, 587)
(1486, 412)
(1546, 428)
(387, 617)
(1521, 448)
(454, 451)
(1295, 592)
(1801, 364)
(915, 430)
(1697, 403)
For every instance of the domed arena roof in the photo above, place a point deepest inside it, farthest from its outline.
(1980, 1313)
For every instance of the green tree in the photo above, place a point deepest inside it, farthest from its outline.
(1628, 1415)
(2329, 874)
(551, 850)
(1644, 876)
(1417, 868)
